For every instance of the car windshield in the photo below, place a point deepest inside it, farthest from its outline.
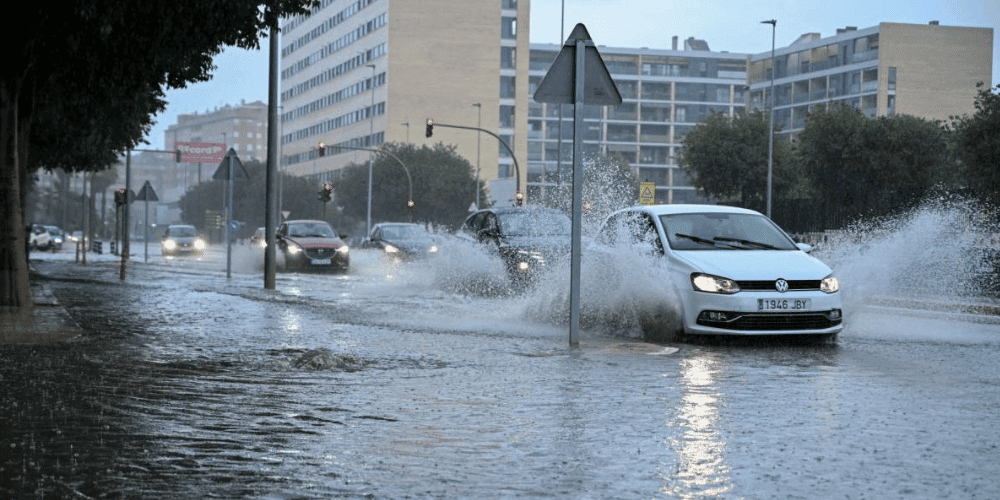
(403, 232)
(724, 231)
(182, 231)
(310, 230)
(532, 223)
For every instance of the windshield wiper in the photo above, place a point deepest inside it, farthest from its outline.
(696, 239)
(747, 243)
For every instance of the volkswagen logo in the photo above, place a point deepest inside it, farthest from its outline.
(781, 285)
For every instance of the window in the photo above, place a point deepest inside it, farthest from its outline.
(508, 58)
(892, 78)
(508, 27)
(507, 85)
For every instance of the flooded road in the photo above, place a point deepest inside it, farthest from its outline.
(382, 383)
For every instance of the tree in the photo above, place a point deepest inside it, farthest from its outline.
(861, 166)
(82, 81)
(298, 199)
(444, 184)
(978, 145)
(726, 158)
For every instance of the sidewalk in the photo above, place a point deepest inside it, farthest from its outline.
(46, 322)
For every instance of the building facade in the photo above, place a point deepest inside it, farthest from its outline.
(359, 73)
(664, 93)
(929, 71)
(242, 127)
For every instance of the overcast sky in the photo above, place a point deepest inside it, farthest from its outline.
(724, 24)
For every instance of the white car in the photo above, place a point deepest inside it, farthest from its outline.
(731, 271)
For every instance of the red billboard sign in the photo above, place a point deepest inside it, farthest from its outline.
(201, 152)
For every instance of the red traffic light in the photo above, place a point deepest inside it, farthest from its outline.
(321, 147)
(410, 204)
(430, 127)
(518, 197)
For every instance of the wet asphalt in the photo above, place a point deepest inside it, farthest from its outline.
(386, 383)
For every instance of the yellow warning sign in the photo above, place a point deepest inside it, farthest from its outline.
(646, 190)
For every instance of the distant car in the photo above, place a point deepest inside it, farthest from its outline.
(312, 244)
(733, 271)
(258, 239)
(401, 240)
(181, 240)
(56, 237)
(527, 239)
(38, 238)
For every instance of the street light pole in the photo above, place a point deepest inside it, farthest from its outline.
(479, 124)
(371, 139)
(770, 128)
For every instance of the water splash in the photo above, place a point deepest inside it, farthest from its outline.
(940, 249)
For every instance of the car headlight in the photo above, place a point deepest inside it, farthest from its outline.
(293, 249)
(169, 244)
(199, 244)
(343, 250)
(433, 249)
(391, 249)
(829, 284)
(713, 284)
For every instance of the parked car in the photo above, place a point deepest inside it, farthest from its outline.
(401, 240)
(38, 238)
(312, 244)
(56, 237)
(527, 239)
(733, 271)
(181, 240)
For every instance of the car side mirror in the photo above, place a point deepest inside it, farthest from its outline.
(805, 247)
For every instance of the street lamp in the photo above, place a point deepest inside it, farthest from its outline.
(371, 139)
(770, 128)
(479, 124)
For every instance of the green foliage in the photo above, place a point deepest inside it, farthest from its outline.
(871, 167)
(299, 198)
(978, 145)
(726, 158)
(444, 185)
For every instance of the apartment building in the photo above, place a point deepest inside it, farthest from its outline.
(927, 70)
(359, 73)
(664, 94)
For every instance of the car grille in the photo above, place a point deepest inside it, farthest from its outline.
(777, 322)
(768, 285)
(320, 253)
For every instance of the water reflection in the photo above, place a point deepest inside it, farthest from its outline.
(701, 467)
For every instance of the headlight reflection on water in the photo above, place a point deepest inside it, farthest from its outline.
(701, 467)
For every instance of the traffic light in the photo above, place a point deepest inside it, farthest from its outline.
(120, 196)
(326, 192)
(430, 127)
(177, 156)
(410, 204)
(518, 198)
(322, 149)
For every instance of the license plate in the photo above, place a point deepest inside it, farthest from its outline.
(783, 304)
(321, 262)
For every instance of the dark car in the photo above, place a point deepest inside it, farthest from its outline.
(401, 240)
(527, 239)
(181, 240)
(312, 244)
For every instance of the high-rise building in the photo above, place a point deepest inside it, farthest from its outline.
(924, 70)
(664, 93)
(359, 73)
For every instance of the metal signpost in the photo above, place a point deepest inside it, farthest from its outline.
(578, 76)
(226, 171)
(147, 195)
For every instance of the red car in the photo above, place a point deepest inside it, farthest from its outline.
(312, 244)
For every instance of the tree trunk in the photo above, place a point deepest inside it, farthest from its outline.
(15, 289)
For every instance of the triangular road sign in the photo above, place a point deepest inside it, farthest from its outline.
(147, 193)
(239, 172)
(559, 83)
